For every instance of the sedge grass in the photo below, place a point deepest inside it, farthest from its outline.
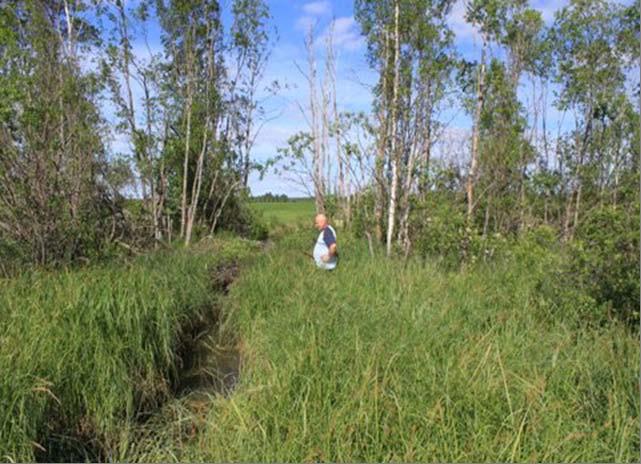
(84, 353)
(382, 361)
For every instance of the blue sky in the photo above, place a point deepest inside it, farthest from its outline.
(354, 78)
(353, 74)
(292, 20)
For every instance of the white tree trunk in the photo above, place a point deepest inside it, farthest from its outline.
(188, 109)
(391, 216)
(198, 178)
(317, 161)
(480, 95)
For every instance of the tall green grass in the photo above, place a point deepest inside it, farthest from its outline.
(85, 353)
(381, 361)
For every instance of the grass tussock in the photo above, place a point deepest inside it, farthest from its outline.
(379, 361)
(86, 353)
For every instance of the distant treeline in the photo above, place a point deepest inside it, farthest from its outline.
(272, 198)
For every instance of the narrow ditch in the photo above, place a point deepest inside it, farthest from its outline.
(206, 364)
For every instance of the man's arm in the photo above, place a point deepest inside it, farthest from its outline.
(330, 241)
(332, 252)
(332, 249)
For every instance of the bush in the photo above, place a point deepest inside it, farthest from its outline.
(239, 218)
(538, 249)
(13, 257)
(362, 219)
(597, 279)
(604, 261)
(439, 231)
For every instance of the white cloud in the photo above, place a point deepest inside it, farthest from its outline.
(313, 11)
(303, 23)
(319, 8)
(464, 31)
(346, 33)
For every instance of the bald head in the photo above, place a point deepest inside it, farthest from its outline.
(320, 221)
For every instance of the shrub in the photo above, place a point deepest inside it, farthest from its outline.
(362, 213)
(238, 217)
(604, 261)
(597, 276)
(439, 231)
(13, 257)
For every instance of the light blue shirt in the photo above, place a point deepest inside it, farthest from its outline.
(321, 249)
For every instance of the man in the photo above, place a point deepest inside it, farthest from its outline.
(325, 252)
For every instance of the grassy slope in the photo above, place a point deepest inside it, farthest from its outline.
(82, 353)
(378, 362)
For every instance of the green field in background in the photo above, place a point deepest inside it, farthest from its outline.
(286, 212)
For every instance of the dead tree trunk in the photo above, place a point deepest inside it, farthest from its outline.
(317, 161)
(331, 77)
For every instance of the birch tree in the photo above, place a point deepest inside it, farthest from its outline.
(591, 72)
(193, 38)
(408, 44)
(251, 46)
(142, 121)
